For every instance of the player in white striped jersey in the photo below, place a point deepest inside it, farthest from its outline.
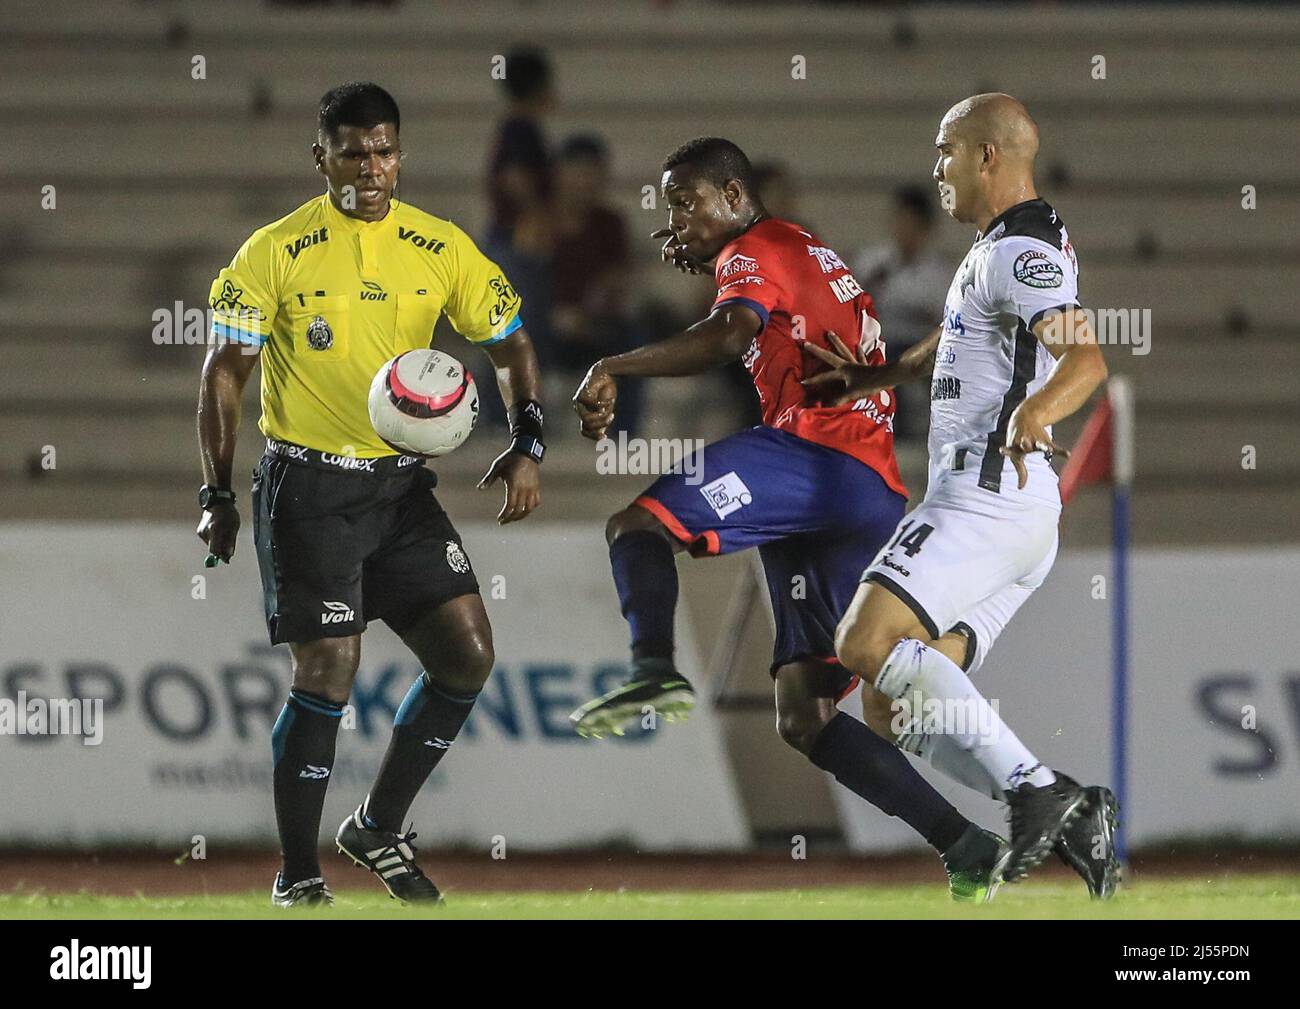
(1014, 355)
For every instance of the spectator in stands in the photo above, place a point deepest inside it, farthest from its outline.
(519, 169)
(519, 235)
(590, 269)
(908, 279)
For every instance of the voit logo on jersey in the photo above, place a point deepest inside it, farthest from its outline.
(318, 237)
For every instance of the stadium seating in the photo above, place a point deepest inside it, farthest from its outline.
(159, 176)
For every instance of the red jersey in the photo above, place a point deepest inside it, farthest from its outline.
(802, 290)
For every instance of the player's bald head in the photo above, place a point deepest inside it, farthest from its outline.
(995, 119)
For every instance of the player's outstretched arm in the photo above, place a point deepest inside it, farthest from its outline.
(712, 342)
(1080, 369)
(851, 378)
(221, 388)
(519, 380)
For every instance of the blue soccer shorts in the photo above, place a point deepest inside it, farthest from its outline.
(817, 517)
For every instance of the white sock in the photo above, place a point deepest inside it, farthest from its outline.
(945, 720)
(945, 754)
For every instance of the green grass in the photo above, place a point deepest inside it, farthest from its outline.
(1249, 896)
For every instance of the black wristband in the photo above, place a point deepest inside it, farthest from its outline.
(526, 420)
(530, 447)
(526, 429)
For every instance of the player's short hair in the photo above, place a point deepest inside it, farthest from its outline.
(528, 73)
(360, 104)
(716, 159)
(915, 200)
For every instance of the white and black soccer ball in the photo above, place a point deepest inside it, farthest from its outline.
(423, 402)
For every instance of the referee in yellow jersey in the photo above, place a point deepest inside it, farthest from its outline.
(346, 529)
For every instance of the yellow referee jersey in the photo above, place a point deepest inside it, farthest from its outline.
(330, 298)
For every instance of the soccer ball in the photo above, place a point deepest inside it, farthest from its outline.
(423, 402)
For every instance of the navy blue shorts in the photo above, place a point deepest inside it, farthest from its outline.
(817, 517)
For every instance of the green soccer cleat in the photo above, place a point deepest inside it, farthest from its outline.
(970, 863)
(654, 687)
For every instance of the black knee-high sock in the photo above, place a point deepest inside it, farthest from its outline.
(302, 754)
(426, 725)
(875, 769)
(646, 576)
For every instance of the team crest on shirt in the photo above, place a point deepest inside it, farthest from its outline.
(319, 334)
(1035, 269)
(456, 559)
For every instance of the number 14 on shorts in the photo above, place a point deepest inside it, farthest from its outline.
(909, 542)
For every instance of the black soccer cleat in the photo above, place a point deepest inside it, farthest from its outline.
(1038, 817)
(389, 856)
(654, 687)
(1088, 845)
(971, 863)
(304, 893)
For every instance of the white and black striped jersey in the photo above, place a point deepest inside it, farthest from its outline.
(988, 359)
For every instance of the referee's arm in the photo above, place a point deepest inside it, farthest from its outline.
(221, 389)
(518, 378)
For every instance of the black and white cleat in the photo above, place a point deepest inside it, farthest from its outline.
(1038, 816)
(389, 856)
(304, 893)
(1088, 844)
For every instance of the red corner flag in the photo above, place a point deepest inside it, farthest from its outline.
(1092, 459)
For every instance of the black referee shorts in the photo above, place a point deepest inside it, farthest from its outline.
(344, 542)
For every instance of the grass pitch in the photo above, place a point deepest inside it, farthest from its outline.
(1247, 896)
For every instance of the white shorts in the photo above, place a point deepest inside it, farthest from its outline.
(967, 558)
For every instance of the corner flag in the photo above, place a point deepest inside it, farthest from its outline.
(1104, 454)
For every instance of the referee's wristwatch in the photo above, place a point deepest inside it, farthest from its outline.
(209, 495)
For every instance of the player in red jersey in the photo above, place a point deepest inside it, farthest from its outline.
(815, 488)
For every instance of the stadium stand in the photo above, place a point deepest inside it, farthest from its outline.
(158, 177)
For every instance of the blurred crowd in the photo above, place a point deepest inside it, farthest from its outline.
(551, 227)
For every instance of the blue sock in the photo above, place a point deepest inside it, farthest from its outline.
(875, 769)
(645, 573)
